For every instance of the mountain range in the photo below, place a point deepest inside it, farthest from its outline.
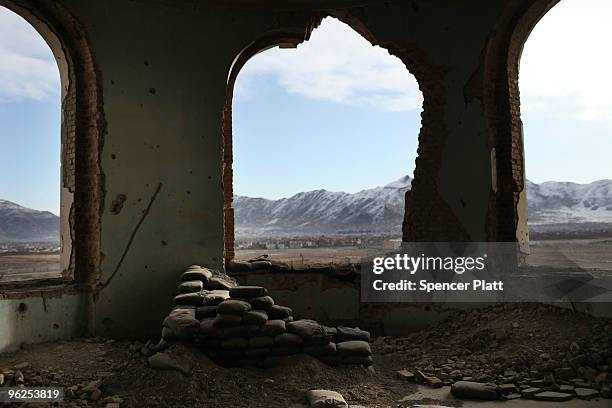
(380, 210)
(20, 224)
(553, 206)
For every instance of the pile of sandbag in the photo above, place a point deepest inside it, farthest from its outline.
(241, 325)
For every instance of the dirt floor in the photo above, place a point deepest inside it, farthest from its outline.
(489, 342)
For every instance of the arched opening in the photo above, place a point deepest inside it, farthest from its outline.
(30, 129)
(567, 119)
(301, 130)
(46, 57)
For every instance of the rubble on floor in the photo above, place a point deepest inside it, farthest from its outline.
(242, 326)
(482, 355)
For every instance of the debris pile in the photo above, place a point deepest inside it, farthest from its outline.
(242, 326)
(511, 351)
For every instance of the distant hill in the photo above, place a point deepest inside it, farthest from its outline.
(20, 224)
(569, 206)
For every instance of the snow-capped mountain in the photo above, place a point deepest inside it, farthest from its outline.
(20, 224)
(381, 209)
(320, 211)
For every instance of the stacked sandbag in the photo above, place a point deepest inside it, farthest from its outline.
(241, 325)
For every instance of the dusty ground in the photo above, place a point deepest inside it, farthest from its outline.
(29, 266)
(490, 341)
(588, 253)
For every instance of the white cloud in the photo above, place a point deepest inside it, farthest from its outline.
(337, 64)
(27, 67)
(566, 63)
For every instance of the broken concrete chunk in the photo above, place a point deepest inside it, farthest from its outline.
(475, 390)
(164, 361)
(552, 396)
(325, 399)
(233, 307)
(247, 292)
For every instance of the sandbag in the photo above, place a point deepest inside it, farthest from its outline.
(233, 307)
(279, 312)
(354, 348)
(189, 299)
(241, 331)
(310, 331)
(261, 303)
(203, 312)
(256, 317)
(247, 292)
(214, 297)
(261, 341)
(364, 361)
(182, 322)
(325, 399)
(474, 390)
(288, 319)
(234, 343)
(257, 352)
(197, 273)
(330, 360)
(260, 265)
(225, 354)
(288, 340)
(168, 334)
(208, 328)
(332, 333)
(273, 328)
(328, 349)
(190, 287)
(285, 351)
(349, 333)
(219, 283)
(227, 320)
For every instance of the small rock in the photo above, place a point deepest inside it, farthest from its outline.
(325, 398)
(22, 366)
(475, 390)
(406, 375)
(552, 396)
(530, 392)
(586, 393)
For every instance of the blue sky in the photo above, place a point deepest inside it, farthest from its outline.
(335, 113)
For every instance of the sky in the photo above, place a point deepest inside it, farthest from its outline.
(335, 113)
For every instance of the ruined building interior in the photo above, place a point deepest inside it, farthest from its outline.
(147, 187)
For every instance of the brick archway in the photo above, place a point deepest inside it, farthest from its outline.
(507, 217)
(82, 132)
(427, 217)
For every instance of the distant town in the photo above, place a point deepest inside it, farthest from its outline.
(24, 248)
(365, 241)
